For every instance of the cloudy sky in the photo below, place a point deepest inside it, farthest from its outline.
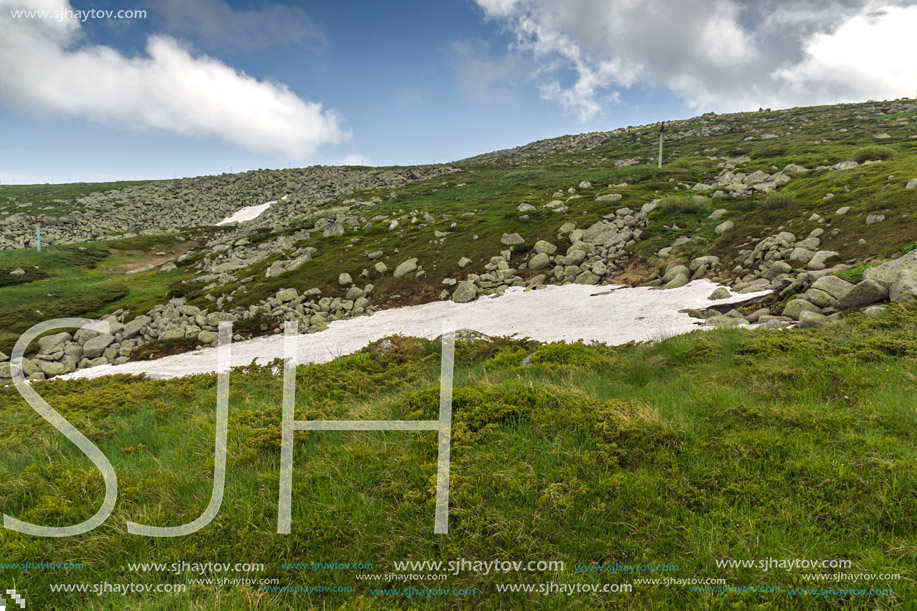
(208, 86)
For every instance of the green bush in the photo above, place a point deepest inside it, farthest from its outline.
(777, 200)
(873, 153)
(684, 204)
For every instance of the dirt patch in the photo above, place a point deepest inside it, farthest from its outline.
(634, 272)
(151, 258)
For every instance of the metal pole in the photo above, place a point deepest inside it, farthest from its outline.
(38, 235)
(660, 149)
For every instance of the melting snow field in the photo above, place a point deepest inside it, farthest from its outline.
(247, 213)
(608, 314)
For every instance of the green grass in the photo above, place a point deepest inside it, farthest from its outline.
(796, 445)
(81, 280)
(51, 199)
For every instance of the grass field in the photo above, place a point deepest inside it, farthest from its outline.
(716, 445)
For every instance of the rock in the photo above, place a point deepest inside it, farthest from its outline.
(380, 267)
(610, 197)
(523, 207)
(286, 295)
(93, 348)
(19, 271)
(778, 268)
(511, 239)
(4, 357)
(53, 343)
(911, 184)
(344, 279)
(874, 219)
(168, 267)
(354, 293)
(724, 227)
(842, 210)
(171, 332)
(376, 254)
(405, 268)
(875, 311)
(801, 255)
(845, 165)
(587, 277)
(819, 259)
(833, 286)
(539, 261)
(709, 261)
(664, 252)
(904, 288)
(679, 280)
(887, 273)
(464, 262)
(865, 293)
(720, 293)
(724, 321)
(543, 246)
(51, 368)
(574, 256)
(464, 292)
(208, 337)
(808, 320)
(820, 298)
(797, 306)
(717, 214)
(134, 327)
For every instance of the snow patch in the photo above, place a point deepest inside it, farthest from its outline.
(247, 213)
(608, 314)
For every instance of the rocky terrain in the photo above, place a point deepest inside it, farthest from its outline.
(342, 242)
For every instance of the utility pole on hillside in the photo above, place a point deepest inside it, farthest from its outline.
(661, 136)
(38, 222)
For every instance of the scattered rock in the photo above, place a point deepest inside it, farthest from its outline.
(720, 293)
(862, 294)
(724, 227)
(511, 239)
(405, 268)
(873, 219)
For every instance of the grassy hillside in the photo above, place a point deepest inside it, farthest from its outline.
(727, 444)
(716, 445)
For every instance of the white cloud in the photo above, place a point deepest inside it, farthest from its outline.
(217, 22)
(715, 54)
(871, 55)
(45, 65)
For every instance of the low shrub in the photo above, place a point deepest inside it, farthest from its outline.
(684, 204)
(873, 153)
(777, 200)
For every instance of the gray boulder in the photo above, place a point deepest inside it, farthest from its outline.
(539, 261)
(904, 288)
(887, 273)
(405, 268)
(797, 306)
(543, 246)
(93, 348)
(834, 286)
(511, 239)
(720, 293)
(865, 293)
(724, 227)
(610, 197)
(911, 184)
(53, 343)
(464, 292)
(819, 259)
(344, 279)
(808, 320)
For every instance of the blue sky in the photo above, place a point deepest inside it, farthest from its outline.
(209, 86)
